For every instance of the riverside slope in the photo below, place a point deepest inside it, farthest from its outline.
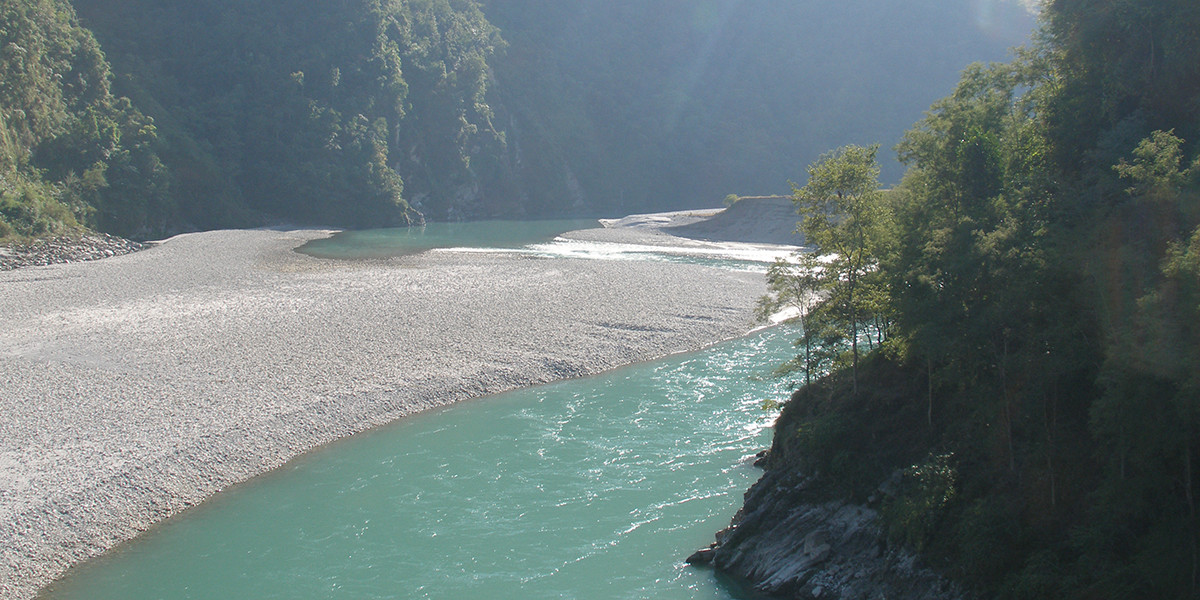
(798, 537)
(134, 387)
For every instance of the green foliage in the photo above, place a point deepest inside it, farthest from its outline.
(331, 113)
(1149, 413)
(31, 207)
(1040, 269)
(377, 112)
(802, 288)
(1120, 60)
(836, 293)
(1156, 166)
(72, 154)
(853, 441)
(926, 490)
(795, 288)
(979, 532)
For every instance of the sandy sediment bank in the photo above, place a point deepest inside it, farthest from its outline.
(134, 387)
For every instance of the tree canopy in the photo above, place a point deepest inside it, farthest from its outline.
(1038, 267)
(71, 153)
(843, 215)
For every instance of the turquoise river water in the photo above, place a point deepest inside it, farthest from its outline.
(536, 238)
(386, 243)
(588, 488)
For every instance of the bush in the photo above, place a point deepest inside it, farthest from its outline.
(30, 208)
(927, 490)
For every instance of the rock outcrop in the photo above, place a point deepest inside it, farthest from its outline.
(787, 542)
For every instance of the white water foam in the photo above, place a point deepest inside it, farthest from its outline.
(732, 255)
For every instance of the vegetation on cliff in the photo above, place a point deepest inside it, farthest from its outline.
(234, 113)
(1038, 283)
(71, 153)
(144, 118)
(322, 112)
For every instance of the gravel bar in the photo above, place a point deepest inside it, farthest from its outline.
(134, 387)
(64, 249)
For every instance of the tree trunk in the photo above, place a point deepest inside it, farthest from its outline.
(929, 407)
(853, 329)
(1008, 418)
(807, 357)
(1191, 502)
(1051, 421)
(854, 350)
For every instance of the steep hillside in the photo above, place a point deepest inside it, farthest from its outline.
(71, 153)
(632, 105)
(1029, 418)
(352, 113)
(368, 113)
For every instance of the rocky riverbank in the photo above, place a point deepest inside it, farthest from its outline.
(65, 249)
(788, 543)
(803, 535)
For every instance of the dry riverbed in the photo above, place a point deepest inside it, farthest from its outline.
(134, 387)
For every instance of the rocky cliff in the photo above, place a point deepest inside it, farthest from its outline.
(797, 536)
(786, 543)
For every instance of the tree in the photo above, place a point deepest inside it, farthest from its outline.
(795, 290)
(1042, 273)
(843, 213)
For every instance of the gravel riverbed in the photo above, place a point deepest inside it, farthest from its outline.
(134, 387)
(64, 249)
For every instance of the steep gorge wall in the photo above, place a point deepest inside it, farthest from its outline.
(369, 114)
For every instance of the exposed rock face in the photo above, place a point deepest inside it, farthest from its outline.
(785, 543)
(64, 249)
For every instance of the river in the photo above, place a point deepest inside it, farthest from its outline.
(587, 488)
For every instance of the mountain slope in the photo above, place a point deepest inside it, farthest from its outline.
(368, 113)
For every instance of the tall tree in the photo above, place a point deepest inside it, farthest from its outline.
(843, 215)
(71, 153)
(796, 286)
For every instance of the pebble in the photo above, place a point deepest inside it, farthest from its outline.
(65, 249)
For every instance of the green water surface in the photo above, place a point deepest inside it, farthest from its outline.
(401, 241)
(589, 488)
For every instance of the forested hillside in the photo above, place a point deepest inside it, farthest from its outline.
(307, 111)
(143, 118)
(1032, 292)
(71, 153)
